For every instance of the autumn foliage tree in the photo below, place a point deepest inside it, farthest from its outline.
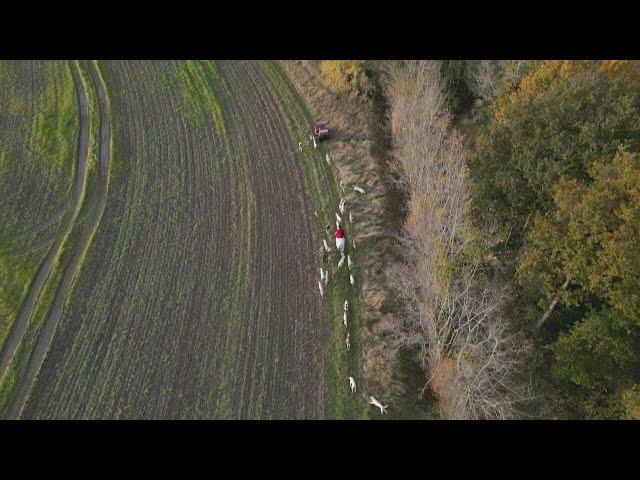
(561, 119)
(345, 76)
(556, 169)
(591, 242)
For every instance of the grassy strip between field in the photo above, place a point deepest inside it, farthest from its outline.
(323, 183)
(74, 239)
(95, 164)
(96, 190)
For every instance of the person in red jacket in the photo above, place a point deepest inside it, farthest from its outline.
(340, 239)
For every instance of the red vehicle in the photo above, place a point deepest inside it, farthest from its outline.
(321, 131)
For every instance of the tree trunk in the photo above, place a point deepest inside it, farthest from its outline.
(553, 304)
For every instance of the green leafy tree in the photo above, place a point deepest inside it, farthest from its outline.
(596, 368)
(555, 169)
(563, 117)
(590, 241)
(587, 250)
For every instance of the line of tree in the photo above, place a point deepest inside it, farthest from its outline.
(453, 314)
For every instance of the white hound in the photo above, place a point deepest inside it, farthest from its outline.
(351, 280)
(344, 315)
(326, 247)
(342, 206)
(338, 218)
(372, 401)
(341, 262)
(327, 157)
(358, 189)
(321, 274)
(326, 278)
(347, 342)
(321, 289)
(349, 262)
(352, 384)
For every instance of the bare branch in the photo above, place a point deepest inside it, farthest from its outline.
(553, 304)
(471, 359)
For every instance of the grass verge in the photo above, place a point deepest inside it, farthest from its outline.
(323, 184)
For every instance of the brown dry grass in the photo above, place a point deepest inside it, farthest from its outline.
(348, 117)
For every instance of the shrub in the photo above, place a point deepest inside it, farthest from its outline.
(345, 76)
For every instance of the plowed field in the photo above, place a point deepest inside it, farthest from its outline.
(198, 296)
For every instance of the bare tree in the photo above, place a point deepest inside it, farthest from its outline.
(471, 359)
(487, 77)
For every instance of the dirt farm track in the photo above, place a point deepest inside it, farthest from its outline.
(197, 297)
